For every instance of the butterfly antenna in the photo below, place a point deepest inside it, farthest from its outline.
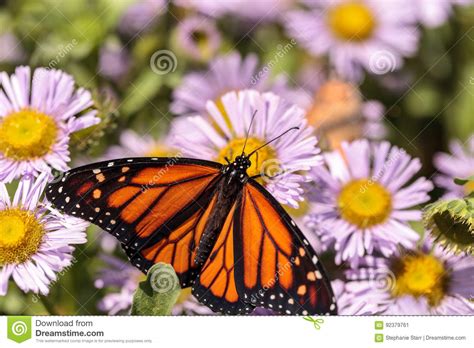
(248, 131)
(271, 141)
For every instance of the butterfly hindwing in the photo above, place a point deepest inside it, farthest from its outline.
(262, 259)
(156, 207)
(216, 284)
(278, 268)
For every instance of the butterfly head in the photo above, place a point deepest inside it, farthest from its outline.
(242, 162)
(238, 168)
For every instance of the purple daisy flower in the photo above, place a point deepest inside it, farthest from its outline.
(254, 11)
(356, 35)
(433, 13)
(187, 304)
(142, 15)
(208, 7)
(133, 144)
(345, 293)
(11, 50)
(363, 201)
(457, 164)
(373, 112)
(37, 117)
(121, 279)
(223, 134)
(114, 61)
(35, 239)
(425, 280)
(198, 38)
(225, 74)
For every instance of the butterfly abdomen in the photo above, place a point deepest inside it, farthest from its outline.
(226, 196)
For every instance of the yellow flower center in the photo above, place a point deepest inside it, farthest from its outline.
(27, 134)
(184, 295)
(469, 187)
(302, 210)
(201, 39)
(263, 162)
(20, 235)
(364, 203)
(352, 21)
(420, 275)
(160, 150)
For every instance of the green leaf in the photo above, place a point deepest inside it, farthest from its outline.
(158, 294)
(141, 92)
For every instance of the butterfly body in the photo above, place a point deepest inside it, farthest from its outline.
(223, 233)
(232, 182)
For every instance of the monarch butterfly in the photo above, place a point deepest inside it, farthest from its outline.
(224, 233)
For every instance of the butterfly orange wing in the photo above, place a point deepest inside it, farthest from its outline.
(156, 207)
(278, 268)
(216, 284)
(262, 259)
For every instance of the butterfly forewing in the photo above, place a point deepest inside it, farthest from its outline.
(216, 284)
(156, 208)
